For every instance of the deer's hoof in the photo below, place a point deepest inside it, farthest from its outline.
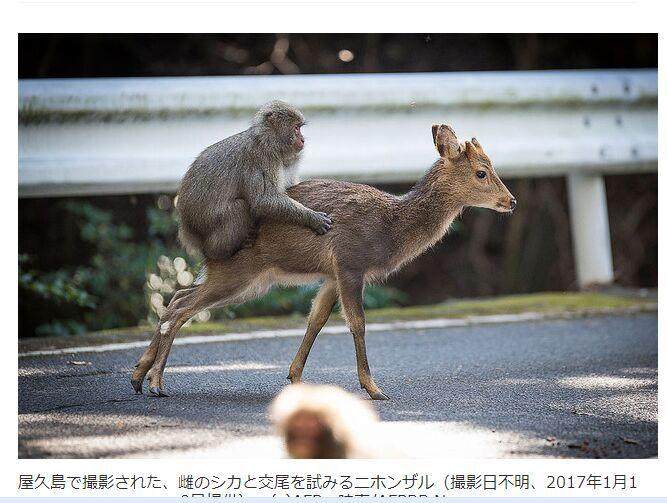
(155, 391)
(136, 384)
(378, 395)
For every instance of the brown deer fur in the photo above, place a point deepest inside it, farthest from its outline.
(374, 233)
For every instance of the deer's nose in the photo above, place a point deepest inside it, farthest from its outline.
(512, 204)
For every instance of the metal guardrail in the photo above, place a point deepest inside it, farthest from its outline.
(349, 91)
(111, 136)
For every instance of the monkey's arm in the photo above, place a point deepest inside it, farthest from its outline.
(291, 176)
(268, 202)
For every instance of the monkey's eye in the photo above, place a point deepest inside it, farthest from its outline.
(481, 174)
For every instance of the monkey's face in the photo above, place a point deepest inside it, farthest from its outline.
(289, 132)
(285, 122)
(298, 141)
(308, 436)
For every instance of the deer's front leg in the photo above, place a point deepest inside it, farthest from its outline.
(351, 297)
(319, 314)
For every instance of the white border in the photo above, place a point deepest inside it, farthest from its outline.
(364, 16)
(479, 17)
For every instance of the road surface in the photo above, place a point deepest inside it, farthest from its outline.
(560, 388)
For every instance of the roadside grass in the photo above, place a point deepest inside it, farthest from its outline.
(551, 303)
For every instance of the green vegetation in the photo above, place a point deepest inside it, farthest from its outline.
(127, 279)
(556, 302)
(107, 289)
(128, 271)
(552, 304)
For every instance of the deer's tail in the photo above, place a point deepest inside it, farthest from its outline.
(201, 275)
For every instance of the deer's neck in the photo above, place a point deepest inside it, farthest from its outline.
(426, 212)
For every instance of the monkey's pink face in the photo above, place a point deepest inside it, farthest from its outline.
(299, 140)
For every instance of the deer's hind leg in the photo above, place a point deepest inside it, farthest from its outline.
(223, 285)
(351, 289)
(146, 361)
(319, 314)
(173, 320)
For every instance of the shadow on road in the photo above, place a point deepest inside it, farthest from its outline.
(577, 388)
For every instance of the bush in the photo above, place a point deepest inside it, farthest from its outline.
(128, 281)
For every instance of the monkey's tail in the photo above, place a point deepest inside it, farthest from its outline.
(190, 241)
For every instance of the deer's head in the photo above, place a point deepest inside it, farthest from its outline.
(469, 172)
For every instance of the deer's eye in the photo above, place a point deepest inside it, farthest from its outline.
(481, 174)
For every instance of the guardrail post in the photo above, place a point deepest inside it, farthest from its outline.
(590, 229)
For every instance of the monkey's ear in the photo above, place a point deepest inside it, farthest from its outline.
(446, 142)
(270, 117)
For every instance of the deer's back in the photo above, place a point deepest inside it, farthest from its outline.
(361, 232)
(345, 200)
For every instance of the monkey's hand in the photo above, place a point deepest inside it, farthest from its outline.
(321, 222)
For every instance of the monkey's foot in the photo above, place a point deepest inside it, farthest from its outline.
(137, 384)
(248, 242)
(250, 239)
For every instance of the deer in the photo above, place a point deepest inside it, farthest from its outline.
(374, 233)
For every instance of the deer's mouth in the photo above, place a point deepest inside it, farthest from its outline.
(506, 205)
(504, 208)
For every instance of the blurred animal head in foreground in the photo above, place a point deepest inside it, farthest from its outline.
(322, 422)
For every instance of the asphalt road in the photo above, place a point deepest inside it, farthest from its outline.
(564, 388)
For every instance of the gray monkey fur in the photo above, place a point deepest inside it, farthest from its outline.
(237, 181)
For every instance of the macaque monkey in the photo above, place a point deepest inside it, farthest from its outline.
(242, 179)
(323, 422)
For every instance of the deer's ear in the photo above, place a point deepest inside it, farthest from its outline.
(445, 141)
(470, 149)
(477, 145)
